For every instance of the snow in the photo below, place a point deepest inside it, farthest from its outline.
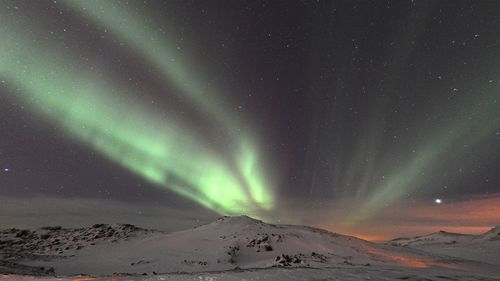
(441, 237)
(236, 248)
(492, 235)
(288, 274)
(484, 248)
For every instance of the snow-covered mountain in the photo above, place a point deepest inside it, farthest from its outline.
(228, 244)
(491, 235)
(443, 237)
(483, 247)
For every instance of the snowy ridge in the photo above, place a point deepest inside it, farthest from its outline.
(491, 235)
(443, 237)
(483, 248)
(57, 242)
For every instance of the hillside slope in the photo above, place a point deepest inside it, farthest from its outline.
(484, 247)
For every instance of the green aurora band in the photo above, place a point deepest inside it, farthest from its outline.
(111, 118)
(113, 121)
(478, 120)
(153, 44)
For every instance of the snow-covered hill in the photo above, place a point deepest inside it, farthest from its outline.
(441, 237)
(56, 242)
(226, 245)
(492, 235)
(484, 247)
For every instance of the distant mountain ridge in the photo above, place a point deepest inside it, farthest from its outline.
(491, 235)
(483, 248)
(444, 237)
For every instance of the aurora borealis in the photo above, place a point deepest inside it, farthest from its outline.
(325, 113)
(106, 117)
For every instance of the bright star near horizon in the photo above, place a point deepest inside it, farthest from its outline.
(438, 201)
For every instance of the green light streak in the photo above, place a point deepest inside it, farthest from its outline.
(470, 127)
(249, 166)
(110, 119)
(156, 47)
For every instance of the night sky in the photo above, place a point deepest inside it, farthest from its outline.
(372, 118)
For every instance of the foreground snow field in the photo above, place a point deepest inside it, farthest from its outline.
(241, 248)
(284, 274)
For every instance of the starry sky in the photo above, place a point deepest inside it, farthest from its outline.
(372, 118)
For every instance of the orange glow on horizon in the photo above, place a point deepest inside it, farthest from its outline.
(467, 217)
(407, 261)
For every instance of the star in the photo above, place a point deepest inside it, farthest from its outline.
(438, 201)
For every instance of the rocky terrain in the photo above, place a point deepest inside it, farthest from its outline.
(55, 242)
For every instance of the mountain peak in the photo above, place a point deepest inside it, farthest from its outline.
(239, 219)
(493, 230)
(493, 234)
(442, 232)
